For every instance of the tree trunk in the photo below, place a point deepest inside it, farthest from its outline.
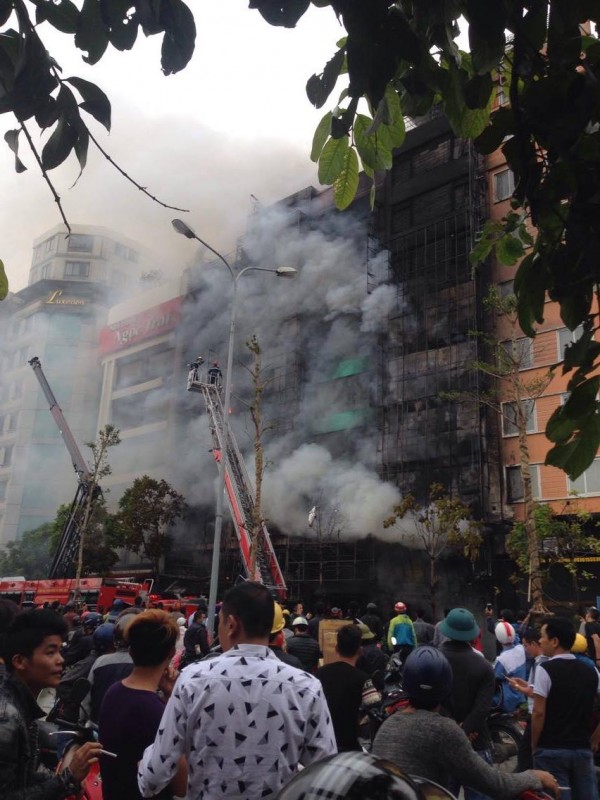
(432, 585)
(82, 532)
(537, 601)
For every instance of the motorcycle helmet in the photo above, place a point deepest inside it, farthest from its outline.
(427, 677)
(580, 644)
(505, 633)
(103, 637)
(400, 607)
(352, 776)
(278, 619)
(92, 620)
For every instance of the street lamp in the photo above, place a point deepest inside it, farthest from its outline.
(282, 272)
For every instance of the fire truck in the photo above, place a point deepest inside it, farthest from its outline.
(94, 592)
(240, 492)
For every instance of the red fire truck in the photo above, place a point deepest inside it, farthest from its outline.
(94, 592)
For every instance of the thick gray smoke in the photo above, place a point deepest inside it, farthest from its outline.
(306, 329)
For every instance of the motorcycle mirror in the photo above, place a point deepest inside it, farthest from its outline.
(79, 690)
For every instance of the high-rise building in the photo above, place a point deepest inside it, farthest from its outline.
(57, 317)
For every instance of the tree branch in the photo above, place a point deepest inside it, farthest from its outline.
(55, 194)
(129, 178)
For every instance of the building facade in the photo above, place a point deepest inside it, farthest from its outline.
(57, 317)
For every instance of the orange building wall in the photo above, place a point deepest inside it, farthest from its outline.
(554, 484)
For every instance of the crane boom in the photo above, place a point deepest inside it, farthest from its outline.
(79, 463)
(240, 493)
(87, 490)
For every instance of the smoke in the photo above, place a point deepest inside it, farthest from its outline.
(317, 339)
(377, 307)
(310, 472)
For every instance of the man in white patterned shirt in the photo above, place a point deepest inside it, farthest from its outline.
(244, 720)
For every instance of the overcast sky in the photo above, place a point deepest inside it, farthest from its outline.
(235, 122)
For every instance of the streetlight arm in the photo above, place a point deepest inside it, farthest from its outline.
(184, 229)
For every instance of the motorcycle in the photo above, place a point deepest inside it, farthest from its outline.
(58, 739)
(506, 732)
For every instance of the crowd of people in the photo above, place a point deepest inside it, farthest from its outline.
(181, 716)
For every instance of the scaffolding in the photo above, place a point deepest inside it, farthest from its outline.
(429, 430)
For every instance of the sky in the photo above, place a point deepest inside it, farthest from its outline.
(235, 123)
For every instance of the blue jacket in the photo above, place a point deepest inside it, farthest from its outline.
(511, 663)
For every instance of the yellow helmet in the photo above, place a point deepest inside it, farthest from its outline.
(278, 619)
(580, 644)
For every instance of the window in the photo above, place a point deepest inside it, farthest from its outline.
(125, 252)
(11, 421)
(77, 269)
(509, 417)
(44, 271)
(5, 456)
(81, 243)
(506, 289)
(33, 275)
(566, 337)
(514, 483)
(3, 485)
(504, 185)
(519, 353)
(589, 482)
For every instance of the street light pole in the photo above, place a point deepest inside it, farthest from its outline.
(286, 272)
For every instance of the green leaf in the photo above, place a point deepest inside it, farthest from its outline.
(284, 14)
(487, 42)
(332, 160)
(466, 122)
(530, 289)
(560, 427)
(81, 150)
(509, 250)
(319, 87)
(92, 33)
(578, 454)
(179, 40)
(59, 145)
(123, 21)
(63, 15)
(370, 148)
(346, 185)
(3, 282)
(321, 133)
(95, 102)
(12, 140)
(393, 103)
(6, 9)
(478, 90)
(397, 132)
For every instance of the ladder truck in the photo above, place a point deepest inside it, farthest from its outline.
(240, 492)
(87, 490)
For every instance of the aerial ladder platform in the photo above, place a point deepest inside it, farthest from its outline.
(64, 559)
(239, 489)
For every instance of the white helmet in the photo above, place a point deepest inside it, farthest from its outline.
(505, 633)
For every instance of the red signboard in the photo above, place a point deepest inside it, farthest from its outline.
(145, 325)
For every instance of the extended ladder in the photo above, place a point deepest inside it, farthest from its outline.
(240, 493)
(68, 546)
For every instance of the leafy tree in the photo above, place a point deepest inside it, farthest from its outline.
(146, 512)
(260, 428)
(445, 522)
(34, 90)
(562, 537)
(108, 437)
(402, 59)
(30, 555)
